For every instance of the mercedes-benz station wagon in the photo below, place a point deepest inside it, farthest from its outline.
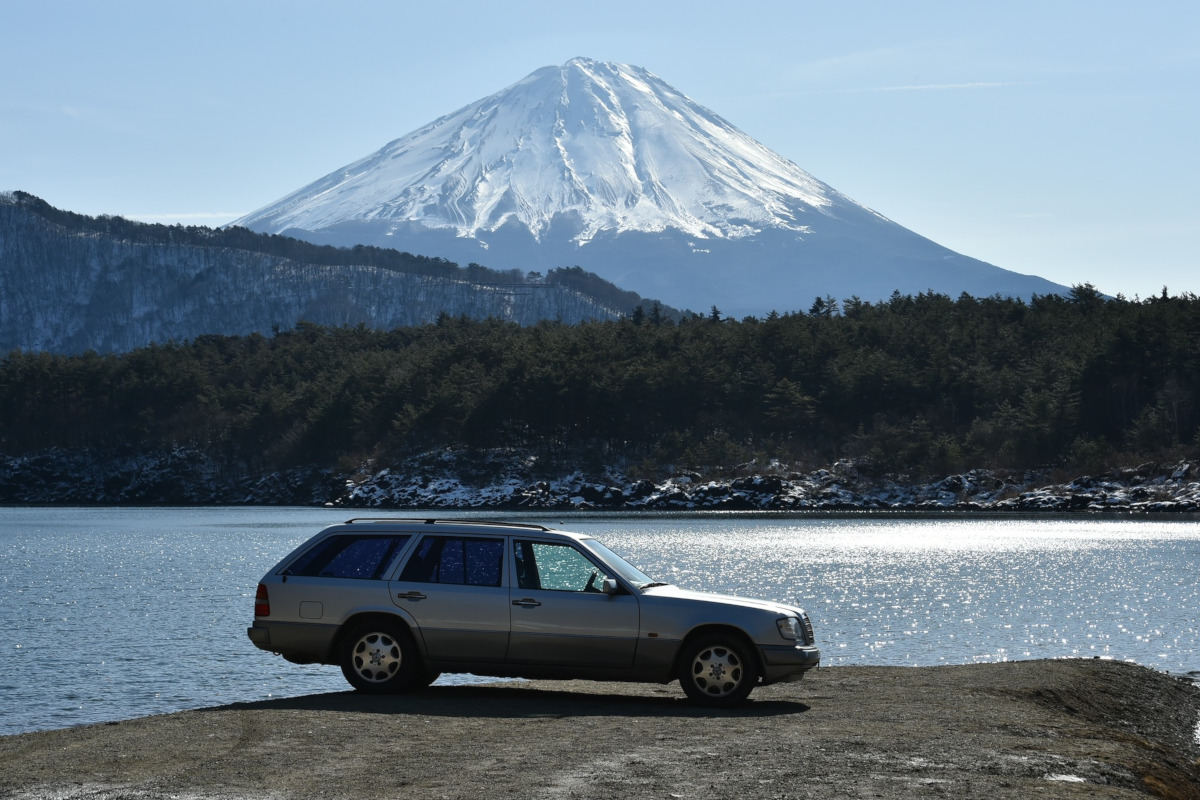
(397, 602)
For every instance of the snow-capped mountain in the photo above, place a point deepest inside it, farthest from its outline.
(608, 167)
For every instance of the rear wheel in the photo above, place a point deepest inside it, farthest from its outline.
(380, 657)
(717, 670)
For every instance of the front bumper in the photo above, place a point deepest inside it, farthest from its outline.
(788, 662)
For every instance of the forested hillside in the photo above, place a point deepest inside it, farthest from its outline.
(71, 283)
(926, 385)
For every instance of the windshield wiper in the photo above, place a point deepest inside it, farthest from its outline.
(652, 584)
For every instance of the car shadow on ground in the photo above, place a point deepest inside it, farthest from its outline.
(509, 700)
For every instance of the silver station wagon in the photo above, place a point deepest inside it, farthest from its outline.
(396, 602)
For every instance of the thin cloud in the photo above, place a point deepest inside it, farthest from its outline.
(858, 60)
(915, 87)
(942, 87)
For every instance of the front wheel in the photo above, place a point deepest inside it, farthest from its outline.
(717, 671)
(379, 658)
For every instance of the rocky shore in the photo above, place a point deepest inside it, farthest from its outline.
(511, 480)
(1094, 729)
(841, 487)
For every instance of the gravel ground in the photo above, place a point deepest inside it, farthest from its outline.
(1011, 730)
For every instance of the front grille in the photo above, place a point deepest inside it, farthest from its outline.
(806, 623)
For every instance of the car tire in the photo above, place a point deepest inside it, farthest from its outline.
(380, 657)
(717, 670)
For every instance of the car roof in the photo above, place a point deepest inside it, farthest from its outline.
(429, 524)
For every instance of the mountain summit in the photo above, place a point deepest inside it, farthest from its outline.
(608, 167)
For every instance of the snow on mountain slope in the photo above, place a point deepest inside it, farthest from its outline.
(606, 166)
(67, 286)
(609, 142)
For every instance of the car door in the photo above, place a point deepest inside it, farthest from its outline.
(453, 586)
(559, 615)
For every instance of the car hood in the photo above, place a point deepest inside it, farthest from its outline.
(673, 591)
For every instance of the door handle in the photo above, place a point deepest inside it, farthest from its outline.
(528, 602)
(414, 595)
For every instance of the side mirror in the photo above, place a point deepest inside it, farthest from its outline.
(610, 586)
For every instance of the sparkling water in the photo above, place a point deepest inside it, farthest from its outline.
(110, 613)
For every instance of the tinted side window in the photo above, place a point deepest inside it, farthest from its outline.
(348, 556)
(452, 559)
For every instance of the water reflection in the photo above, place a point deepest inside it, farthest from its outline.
(111, 613)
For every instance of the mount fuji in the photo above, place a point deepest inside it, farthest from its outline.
(607, 167)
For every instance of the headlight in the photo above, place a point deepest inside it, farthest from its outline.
(789, 627)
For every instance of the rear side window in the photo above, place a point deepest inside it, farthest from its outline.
(348, 556)
(453, 559)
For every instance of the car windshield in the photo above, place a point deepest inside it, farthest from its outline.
(620, 565)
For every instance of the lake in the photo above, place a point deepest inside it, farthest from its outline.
(111, 613)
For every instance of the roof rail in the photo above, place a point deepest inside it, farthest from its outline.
(432, 521)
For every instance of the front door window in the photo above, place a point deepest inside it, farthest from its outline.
(556, 567)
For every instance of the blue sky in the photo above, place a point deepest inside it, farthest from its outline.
(1053, 138)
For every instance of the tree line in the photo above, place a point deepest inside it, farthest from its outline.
(922, 384)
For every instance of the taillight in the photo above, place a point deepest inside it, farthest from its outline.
(262, 603)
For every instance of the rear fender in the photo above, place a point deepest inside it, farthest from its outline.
(389, 615)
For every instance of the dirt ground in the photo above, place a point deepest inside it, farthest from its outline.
(1011, 730)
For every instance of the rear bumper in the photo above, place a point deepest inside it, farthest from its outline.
(260, 635)
(788, 662)
(302, 642)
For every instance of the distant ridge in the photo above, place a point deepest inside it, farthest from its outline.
(608, 167)
(71, 283)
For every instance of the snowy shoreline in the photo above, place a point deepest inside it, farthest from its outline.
(508, 480)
